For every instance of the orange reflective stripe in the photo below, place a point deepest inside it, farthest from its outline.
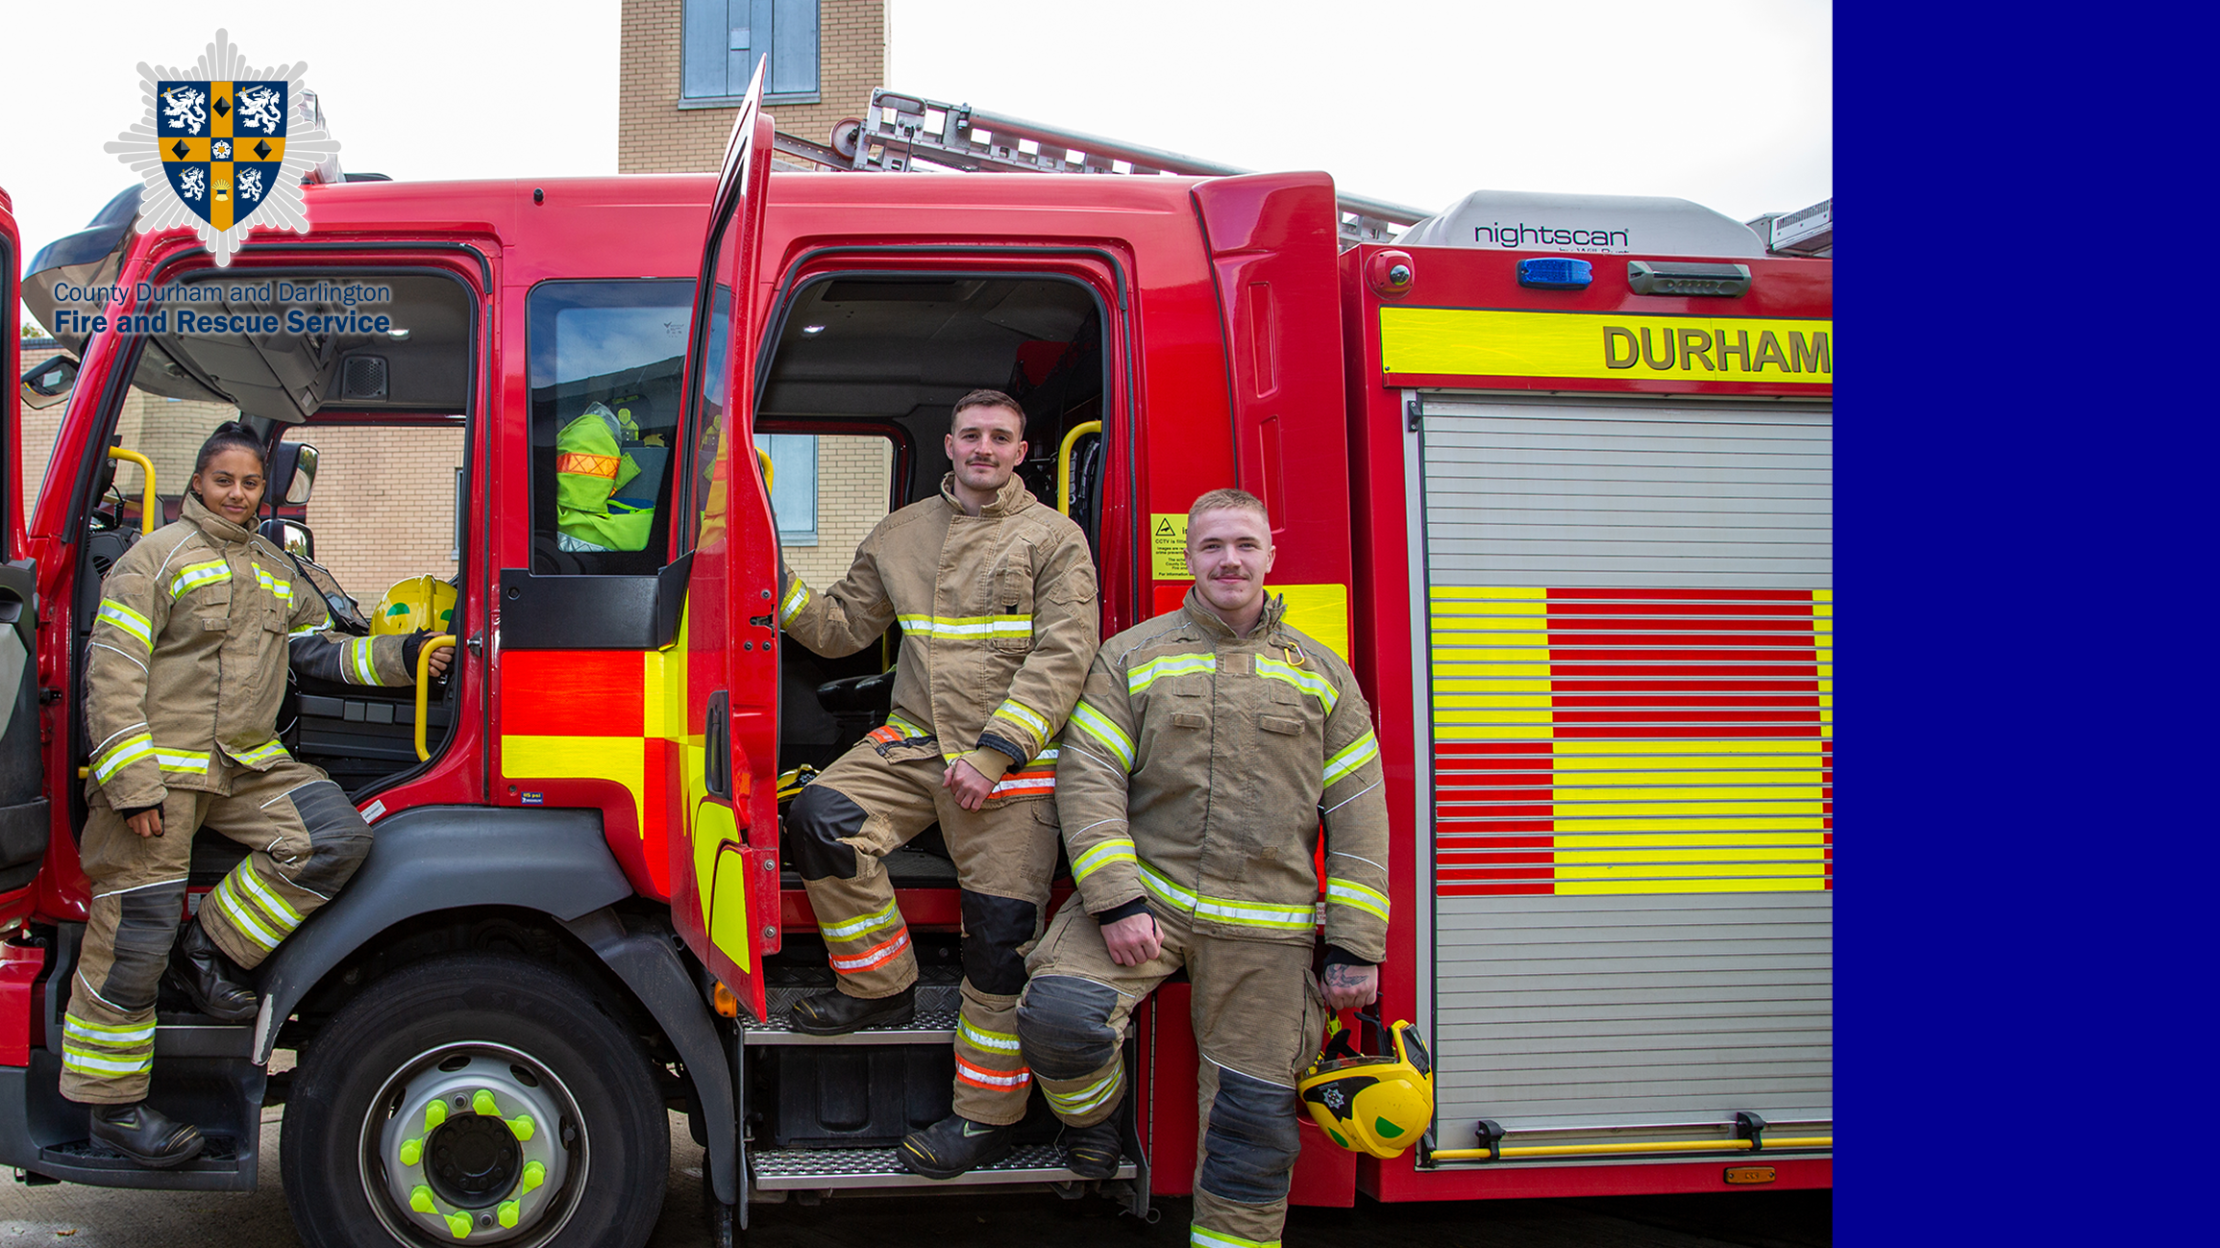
(876, 955)
(981, 1077)
(1025, 782)
(579, 465)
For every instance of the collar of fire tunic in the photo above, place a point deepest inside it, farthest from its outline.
(1221, 634)
(1011, 499)
(210, 523)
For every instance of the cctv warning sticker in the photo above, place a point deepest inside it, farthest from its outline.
(1168, 546)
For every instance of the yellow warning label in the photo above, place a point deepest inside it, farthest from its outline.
(1490, 343)
(1168, 546)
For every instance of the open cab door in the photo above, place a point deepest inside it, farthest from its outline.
(725, 871)
(24, 816)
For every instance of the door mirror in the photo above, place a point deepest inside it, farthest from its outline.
(304, 477)
(49, 383)
(293, 539)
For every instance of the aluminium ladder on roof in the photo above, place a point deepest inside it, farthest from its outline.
(902, 132)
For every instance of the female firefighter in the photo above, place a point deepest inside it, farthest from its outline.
(186, 668)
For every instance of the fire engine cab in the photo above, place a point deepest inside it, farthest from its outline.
(1553, 474)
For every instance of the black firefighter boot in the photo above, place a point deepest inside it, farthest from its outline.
(212, 981)
(146, 1135)
(953, 1145)
(836, 1013)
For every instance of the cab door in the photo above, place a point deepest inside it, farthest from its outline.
(24, 820)
(725, 870)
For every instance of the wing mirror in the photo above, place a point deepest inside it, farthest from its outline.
(49, 383)
(292, 538)
(292, 473)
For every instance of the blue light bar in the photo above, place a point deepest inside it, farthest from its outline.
(1555, 273)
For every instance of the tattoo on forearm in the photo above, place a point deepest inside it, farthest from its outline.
(1342, 975)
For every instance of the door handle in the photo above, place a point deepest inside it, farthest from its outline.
(716, 745)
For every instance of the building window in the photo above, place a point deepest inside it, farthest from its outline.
(725, 38)
(793, 485)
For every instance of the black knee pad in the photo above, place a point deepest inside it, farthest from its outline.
(1064, 1026)
(144, 934)
(994, 927)
(338, 839)
(1249, 1150)
(819, 818)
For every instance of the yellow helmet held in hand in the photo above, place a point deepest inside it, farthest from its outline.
(1378, 1105)
(418, 602)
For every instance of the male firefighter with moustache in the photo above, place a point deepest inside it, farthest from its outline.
(1207, 746)
(995, 594)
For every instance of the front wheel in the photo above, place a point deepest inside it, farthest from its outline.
(480, 1100)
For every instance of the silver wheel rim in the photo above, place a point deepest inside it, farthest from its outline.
(437, 1104)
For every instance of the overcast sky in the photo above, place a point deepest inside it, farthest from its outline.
(1725, 102)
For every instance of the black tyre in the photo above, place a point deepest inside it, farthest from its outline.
(480, 1094)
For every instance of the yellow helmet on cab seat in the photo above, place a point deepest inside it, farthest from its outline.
(1373, 1104)
(418, 602)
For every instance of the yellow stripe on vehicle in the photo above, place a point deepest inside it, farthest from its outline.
(1352, 756)
(1140, 678)
(1097, 725)
(1119, 849)
(1487, 342)
(1309, 682)
(128, 620)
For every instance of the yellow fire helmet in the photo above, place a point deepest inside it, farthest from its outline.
(418, 602)
(1373, 1104)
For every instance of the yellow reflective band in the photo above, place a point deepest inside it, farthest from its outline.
(1350, 893)
(236, 911)
(365, 666)
(796, 599)
(272, 905)
(1117, 850)
(908, 729)
(1097, 725)
(1218, 909)
(194, 575)
(980, 1037)
(122, 754)
(281, 590)
(885, 916)
(1140, 678)
(182, 760)
(1011, 708)
(1093, 1096)
(1309, 682)
(261, 753)
(1352, 756)
(1201, 1237)
(967, 625)
(85, 1063)
(107, 1037)
(128, 620)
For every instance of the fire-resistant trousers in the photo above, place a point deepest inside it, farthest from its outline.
(307, 840)
(867, 805)
(1258, 1019)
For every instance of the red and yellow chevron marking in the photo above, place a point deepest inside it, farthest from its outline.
(1633, 740)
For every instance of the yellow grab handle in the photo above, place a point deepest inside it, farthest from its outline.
(150, 503)
(1063, 463)
(423, 687)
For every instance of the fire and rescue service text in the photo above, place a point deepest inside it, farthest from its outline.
(155, 315)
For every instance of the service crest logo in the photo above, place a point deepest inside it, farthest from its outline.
(224, 146)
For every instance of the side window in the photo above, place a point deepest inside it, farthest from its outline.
(724, 38)
(828, 490)
(607, 370)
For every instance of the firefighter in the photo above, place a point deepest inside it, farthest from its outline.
(995, 594)
(596, 461)
(1195, 770)
(187, 663)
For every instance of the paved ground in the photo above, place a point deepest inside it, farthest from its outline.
(88, 1217)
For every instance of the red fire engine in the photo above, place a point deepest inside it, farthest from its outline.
(1553, 475)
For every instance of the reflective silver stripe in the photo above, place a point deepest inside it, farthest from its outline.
(1200, 1237)
(267, 750)
(128, 620)
(272, 905)
(1093, 1096)
(122, 754)
(182, 760)
(365, 667)
(1351, 893)
(980, 1037)
(967, 625)
(1011, 708)
(885, 916)
(281, 590)
(1261, 914)
(236, 911)
(194, 575)
(1097, 725)
(112, 1037)
(85, 1063)
(1119, 849)
(1309, 682)
(1140, 678)
(796, 599)
(1352, 756)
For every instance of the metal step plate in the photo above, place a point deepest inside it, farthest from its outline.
(828, 1169)
(935, 1023)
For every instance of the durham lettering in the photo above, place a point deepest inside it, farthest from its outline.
(1651, 359)
(1613, 335)
(1768, 352)
(1693, 344)
(1741, 347)
(1816, 358)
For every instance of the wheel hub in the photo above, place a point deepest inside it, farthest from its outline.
(475, 1146)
